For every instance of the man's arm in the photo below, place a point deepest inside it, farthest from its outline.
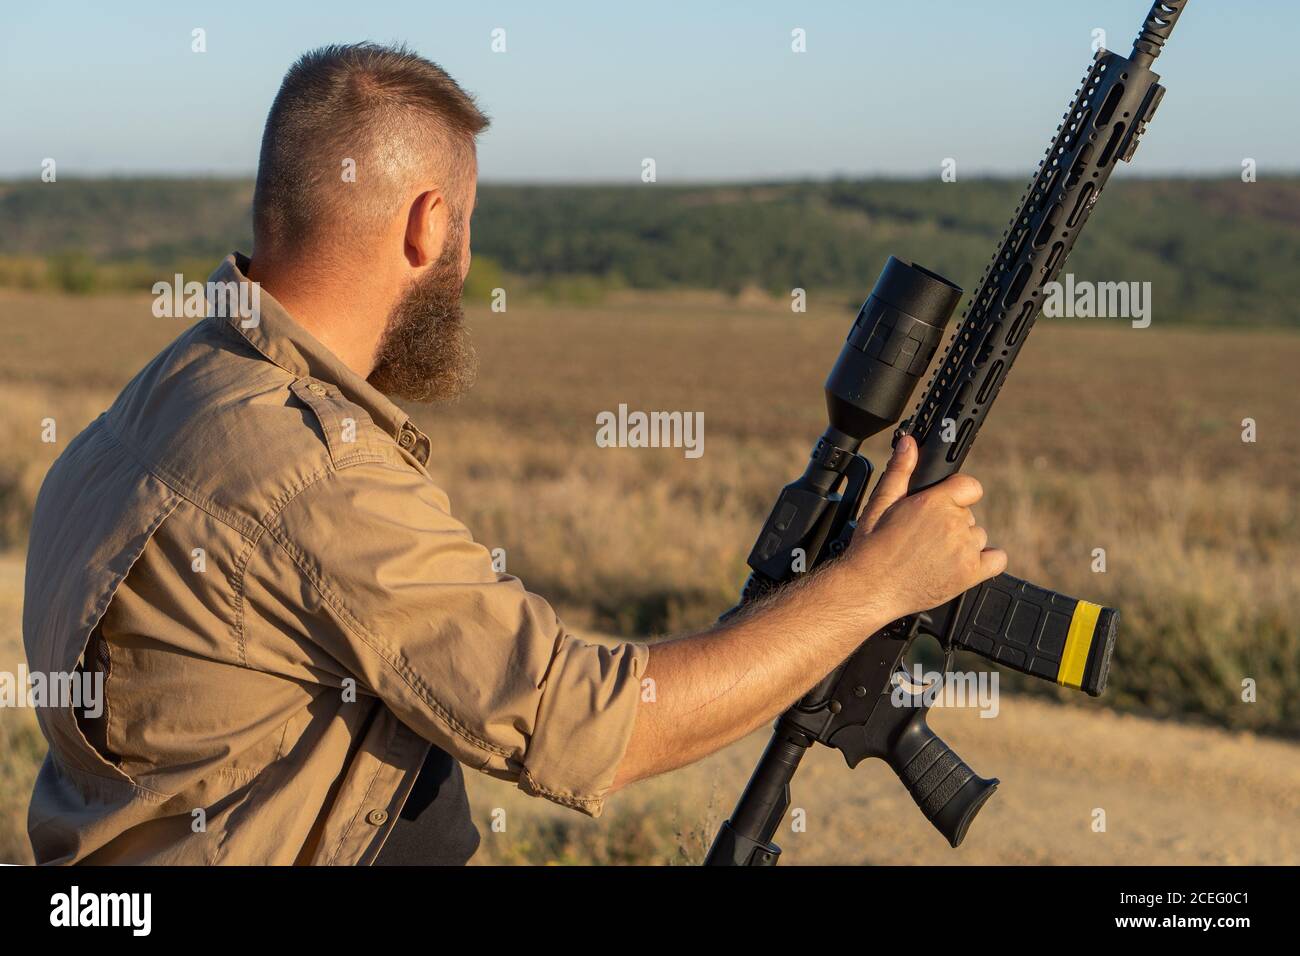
(715, 687)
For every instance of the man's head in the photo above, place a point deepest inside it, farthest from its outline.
(368, 165)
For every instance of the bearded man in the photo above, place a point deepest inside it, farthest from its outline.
(299, 645)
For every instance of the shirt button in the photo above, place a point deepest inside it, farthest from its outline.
(318, 388)
(377, 817)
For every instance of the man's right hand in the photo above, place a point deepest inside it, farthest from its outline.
(920, 551)
(911, 553)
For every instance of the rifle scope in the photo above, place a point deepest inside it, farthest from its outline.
(889, 348)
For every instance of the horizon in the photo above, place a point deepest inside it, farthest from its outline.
(250, 176)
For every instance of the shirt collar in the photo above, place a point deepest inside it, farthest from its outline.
(273, 332)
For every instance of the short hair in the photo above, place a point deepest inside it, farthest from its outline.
(392, 113)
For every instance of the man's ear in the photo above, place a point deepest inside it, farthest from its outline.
(428, 226)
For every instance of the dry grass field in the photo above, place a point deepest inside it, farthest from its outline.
(1105, 437)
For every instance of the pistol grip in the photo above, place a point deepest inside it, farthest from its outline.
(948, 792)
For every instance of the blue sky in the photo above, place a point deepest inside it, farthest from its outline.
(712, 91)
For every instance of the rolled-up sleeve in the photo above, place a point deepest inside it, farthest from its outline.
(404, 599)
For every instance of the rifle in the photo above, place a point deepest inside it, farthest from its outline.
(1011, 622)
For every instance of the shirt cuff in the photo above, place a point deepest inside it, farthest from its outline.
(584, 722)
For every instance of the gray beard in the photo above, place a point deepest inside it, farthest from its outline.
(425, 354)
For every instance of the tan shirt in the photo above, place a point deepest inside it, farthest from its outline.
(290, 614)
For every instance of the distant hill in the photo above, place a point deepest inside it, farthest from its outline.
(1214, 250)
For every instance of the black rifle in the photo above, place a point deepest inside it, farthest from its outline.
(1008, 621)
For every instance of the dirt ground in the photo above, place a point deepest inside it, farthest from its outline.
(1171, 794)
